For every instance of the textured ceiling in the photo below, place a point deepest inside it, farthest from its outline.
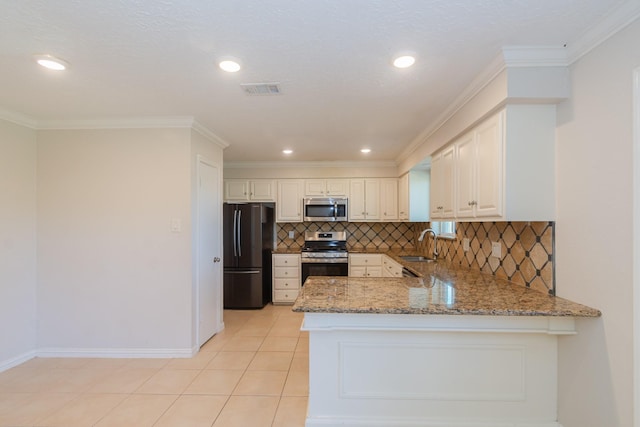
(140, 58)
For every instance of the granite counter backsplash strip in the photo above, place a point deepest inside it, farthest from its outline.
(527, 251)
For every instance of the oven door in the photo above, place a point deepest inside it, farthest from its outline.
(324, 269)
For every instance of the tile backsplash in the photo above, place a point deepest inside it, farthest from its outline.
(527, 250)
(527, 247)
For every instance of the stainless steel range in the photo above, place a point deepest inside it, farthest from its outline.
(324, 254)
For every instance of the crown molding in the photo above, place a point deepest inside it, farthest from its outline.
(19, 119)
(534, 56)
(205, 132)
(316, 165)
(614, 21)
(119, 123)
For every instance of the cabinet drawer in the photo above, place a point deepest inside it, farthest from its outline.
(291, 284)
(366, 260)
(286, 260)
(285, 272)
(284, 296)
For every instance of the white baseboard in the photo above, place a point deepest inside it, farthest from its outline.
(403, 422)
(115, 353)
(17, 360)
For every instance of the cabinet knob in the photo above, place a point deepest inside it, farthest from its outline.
(216, 259)
(286, 262)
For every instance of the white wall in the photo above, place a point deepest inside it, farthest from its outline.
(594, 234)
(113, 278)
(17, 243)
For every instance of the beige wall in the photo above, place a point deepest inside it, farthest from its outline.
(17, 243)
(111, 273)
(285, 171)
(594, 234)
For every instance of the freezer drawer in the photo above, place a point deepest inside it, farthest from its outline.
(243, 289)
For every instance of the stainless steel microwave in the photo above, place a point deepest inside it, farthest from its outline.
(325, 209)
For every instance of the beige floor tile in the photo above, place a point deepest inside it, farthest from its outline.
(231, 360)
(243, 344)
(300, 362)
(122, 380)
(24, 409)
(253, 331)
(303, 345)
(248, 411)
(139, 410)
(215, 382)
(84, 411)
(156, 363)
(192, 411)
(279, 344)
(284, 331)
(297, 384)
(292, 412)
(261, 383)
(168, 381)
(199, 361)
(271, 361)
(77, 380)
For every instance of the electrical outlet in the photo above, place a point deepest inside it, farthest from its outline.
(496, 249)
(465, 244)
(292, 234)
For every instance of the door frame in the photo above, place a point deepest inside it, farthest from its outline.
(200, 160)
(636, 247)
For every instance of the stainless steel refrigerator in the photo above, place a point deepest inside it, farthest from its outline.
(248, 243)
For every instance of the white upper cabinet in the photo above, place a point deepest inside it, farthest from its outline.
(442, 184)
(413, 196)
(242, 190)
(389, 199)
(479, 170)
(326, 187)
(364, 200)
(289, 203)
(503, 169)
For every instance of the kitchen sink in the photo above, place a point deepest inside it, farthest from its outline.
(415, 258)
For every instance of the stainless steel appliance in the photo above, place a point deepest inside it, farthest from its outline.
(324, 254)
(325, 209)
(248, 243)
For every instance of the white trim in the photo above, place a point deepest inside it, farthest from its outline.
(614, 21)
(117, 353)
(17, 360)
(18, 118)
(196, 126)
(319, 165)
(636, 247)
(535, 56)
(119, 123)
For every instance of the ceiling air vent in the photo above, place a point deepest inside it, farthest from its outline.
(261, 88)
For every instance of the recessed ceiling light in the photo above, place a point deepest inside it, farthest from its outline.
(404, 61)
(365, 150)
(229, 66)
(51, 62)
(287, 151)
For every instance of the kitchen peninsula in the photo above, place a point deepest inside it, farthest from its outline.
(448, 348)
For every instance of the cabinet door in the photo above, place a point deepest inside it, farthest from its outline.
(337, 187)
(448, 183)
(357, 271)
(389, 199)
(314, 187)
(489, 168)
(465, 176)
(236, 190)
(262, 190)
(372, 199)
(374, 271)
(403, 197)
(437, 186)
(289, 204)
(357, 210)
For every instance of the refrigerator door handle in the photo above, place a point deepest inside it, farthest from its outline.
(235, 226)
(243, 272)
(239, 233)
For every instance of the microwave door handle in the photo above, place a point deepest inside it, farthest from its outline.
(335, 211)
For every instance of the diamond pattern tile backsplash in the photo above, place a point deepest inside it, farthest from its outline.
(527, 251)
(527, 247)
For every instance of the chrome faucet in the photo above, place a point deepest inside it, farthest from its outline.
(435, 240)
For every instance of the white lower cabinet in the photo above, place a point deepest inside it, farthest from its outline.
(286, 278)
(365, 265)
(390, 268)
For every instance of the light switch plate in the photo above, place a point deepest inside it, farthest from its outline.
(465, 244)
(496, 249)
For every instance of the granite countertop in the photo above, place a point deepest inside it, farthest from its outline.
(440, 289)
(286, 251)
